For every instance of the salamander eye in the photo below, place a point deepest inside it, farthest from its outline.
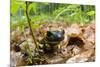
(49, 33)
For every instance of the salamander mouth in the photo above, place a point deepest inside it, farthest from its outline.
(56, 41)
(60, 39)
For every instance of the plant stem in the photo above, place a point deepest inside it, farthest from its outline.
(29, 22)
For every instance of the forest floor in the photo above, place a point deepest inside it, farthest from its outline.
(78, 45)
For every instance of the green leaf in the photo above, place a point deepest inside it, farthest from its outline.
(29, 60)
(21, 28)
(35, 26)
(32, 6)
(14, 8)
(39, 17)
(90, 13)
(15, 5)
(36, 18)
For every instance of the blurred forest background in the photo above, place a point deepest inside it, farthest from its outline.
(41, 12)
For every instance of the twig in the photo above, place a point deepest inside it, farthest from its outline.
(21, 42)
(29, 22)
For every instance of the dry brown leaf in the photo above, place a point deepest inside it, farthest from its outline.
(82, 57)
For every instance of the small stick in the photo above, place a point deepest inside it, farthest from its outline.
(29, 22)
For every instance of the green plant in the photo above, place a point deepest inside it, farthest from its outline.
(29, 22)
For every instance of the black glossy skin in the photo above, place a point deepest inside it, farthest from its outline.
(53, 37)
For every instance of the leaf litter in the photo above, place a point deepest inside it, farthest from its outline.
(78, 45)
